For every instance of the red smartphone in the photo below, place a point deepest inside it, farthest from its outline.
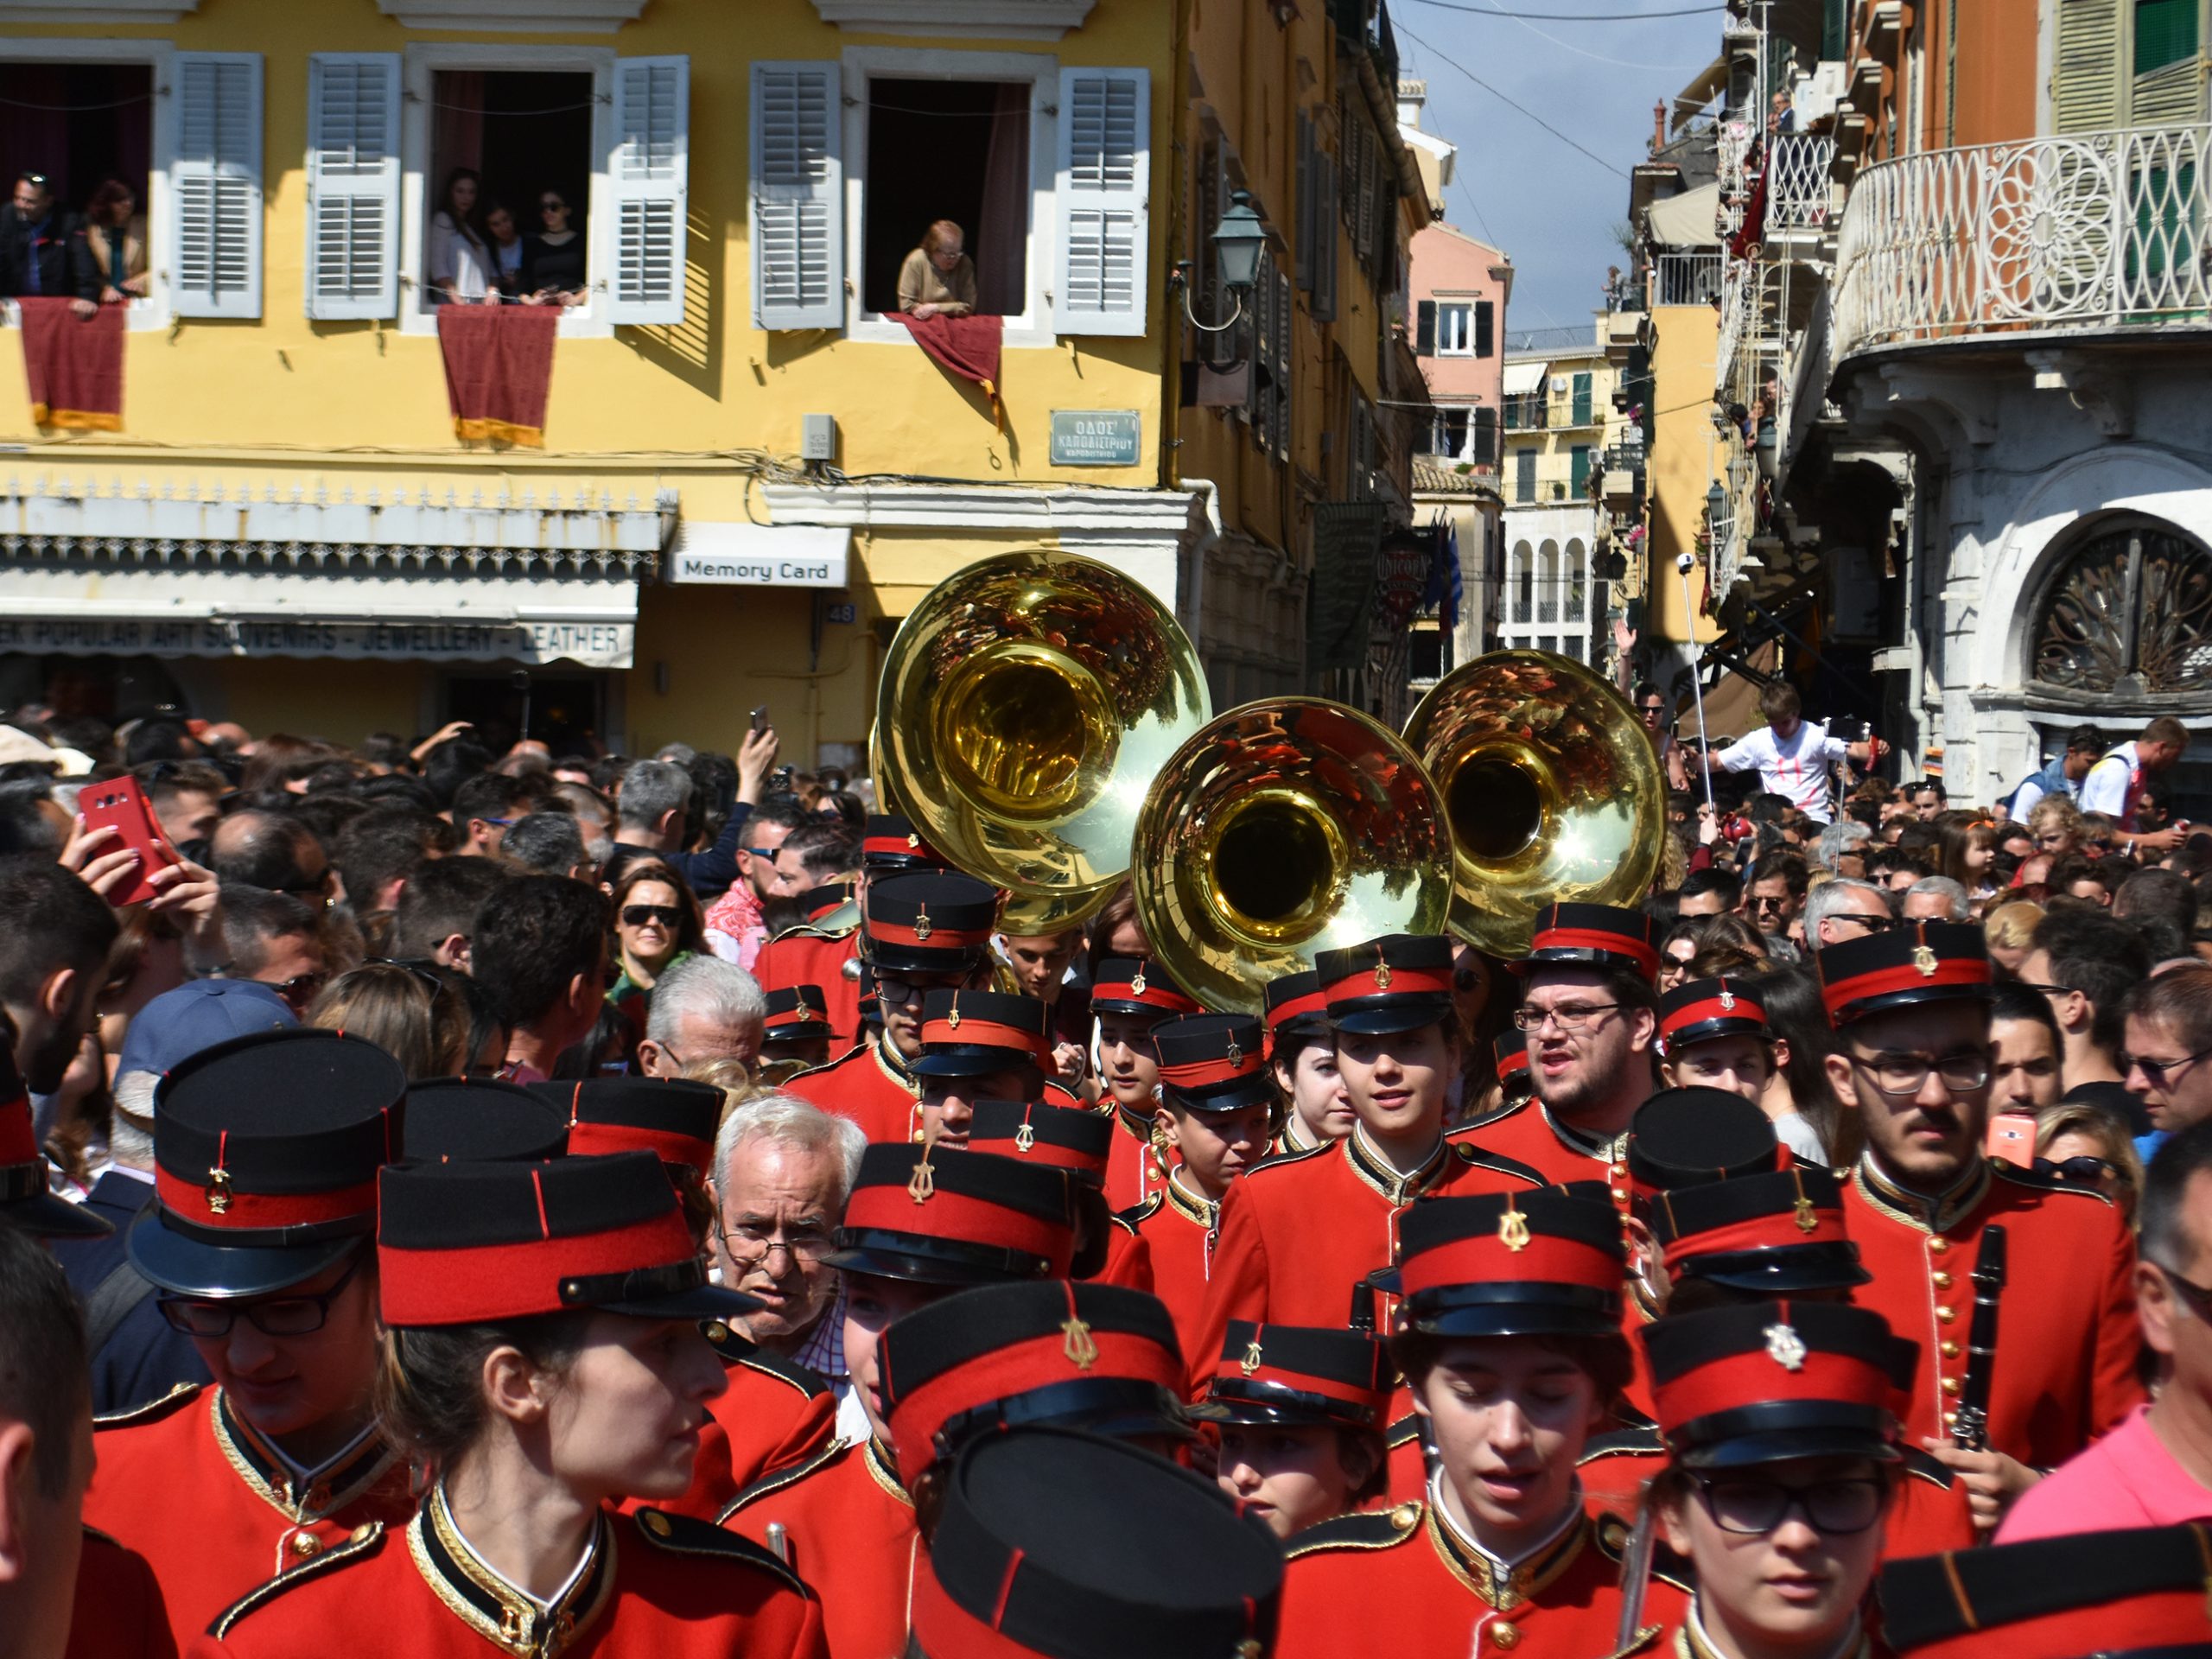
(2013, 1138)
(120, 804)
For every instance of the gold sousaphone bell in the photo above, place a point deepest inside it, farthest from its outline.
(1551, 788)
(1025, 705)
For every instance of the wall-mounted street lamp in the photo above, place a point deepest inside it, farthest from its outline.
(1237, 240)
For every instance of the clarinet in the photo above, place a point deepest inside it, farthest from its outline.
(1970, 1429)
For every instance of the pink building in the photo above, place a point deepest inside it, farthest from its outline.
(1459, 289)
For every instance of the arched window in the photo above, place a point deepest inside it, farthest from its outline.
(1524, 583)
(1578, 570)
(1547, 584)
(2127, 613)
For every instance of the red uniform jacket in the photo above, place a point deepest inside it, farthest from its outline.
(1404, 1570)
(1180, 1230)
(659, 1586)
(2066, 1334)
(119, 1611)
(870, 1084)
(849, 1527)
(1685, 1642)
(811, 956)
(1128, 1261)
(774, 1413)
(1132, 1173)
(1299, 1231)
(186, 1484)
(1533, 1135)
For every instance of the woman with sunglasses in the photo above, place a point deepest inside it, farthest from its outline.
(656, 925)
(266, 1150)
(542, 1361)
(553, 259)
(2084, 1145)
(1781, 1451)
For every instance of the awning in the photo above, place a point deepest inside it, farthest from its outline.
(78, 609)
(1523, 378)
(1685, 222)
(1703, 88)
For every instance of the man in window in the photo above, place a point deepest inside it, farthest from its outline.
(38, 251)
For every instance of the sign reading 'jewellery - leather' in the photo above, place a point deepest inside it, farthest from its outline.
(594, 643)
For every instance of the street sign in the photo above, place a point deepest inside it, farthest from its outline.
(1097, 437)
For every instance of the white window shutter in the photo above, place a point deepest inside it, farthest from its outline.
(799, 196)
(353, 258)
(649, 174)
(1104, 186)
(215, 266)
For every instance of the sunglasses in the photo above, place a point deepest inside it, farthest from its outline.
(300, 990)
(552, 206)
(2085, 1170)
(639, 915)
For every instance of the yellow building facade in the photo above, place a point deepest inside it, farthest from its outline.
(749, 469)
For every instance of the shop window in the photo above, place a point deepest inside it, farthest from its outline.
(957, 150)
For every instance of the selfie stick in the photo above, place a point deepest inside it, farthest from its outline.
(1697, 691)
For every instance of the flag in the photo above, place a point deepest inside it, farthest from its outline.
(498, 369)
(72, 365)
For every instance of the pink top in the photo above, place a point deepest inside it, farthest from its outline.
(2127, 1479)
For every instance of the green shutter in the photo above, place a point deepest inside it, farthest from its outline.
(2086, 86)
(2168, 97)
(1581, 403)
(2165, 32)
(1580, 455)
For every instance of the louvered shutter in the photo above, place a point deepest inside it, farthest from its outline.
(1302, 255)
(1424, 329)
(215, 180)
(1326, 235)
(1486, 328)
(1104, 186)
(798, 187)
(353, 264)
(1286, 314)
(648, 179)
(2085, 87)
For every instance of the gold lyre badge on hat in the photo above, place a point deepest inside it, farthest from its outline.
(1026, 1136)
(1079, 1345)
(1381, 970)
(219, 1190)
(921, 1186)
(1250, 1362)
(923, 926)
(1727, 1000)
(1785, 1347)
(1806, 1220)
(1513, 1229)
(1235, 1054)
(952, 1019)
(1136, 982)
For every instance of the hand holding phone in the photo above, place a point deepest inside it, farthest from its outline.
(119, 803)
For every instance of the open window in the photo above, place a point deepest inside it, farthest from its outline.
(515, 146)
(948, 150)
(87, 129)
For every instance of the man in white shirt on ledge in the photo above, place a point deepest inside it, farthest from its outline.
(1792, 755)
(2114, 784)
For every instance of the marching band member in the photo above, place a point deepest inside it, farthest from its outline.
(1130, 996)
(1297, 1415)
(1302, 1057)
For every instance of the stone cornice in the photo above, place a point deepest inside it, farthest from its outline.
(512, 16)
(1002, 20)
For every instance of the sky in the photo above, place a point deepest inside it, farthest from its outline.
(1519, 187)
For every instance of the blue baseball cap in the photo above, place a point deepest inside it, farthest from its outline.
(179, 1024)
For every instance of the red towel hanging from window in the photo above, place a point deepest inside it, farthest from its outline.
(966, 346)
(73, 364)
(498, 369)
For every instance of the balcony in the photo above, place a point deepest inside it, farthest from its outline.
(1800, 194)
(2093, 232)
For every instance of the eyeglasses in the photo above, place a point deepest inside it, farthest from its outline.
(1744, 1505)
(1570, 1016)
(896, 993)
(1757, 902)
(1872, 923)
(420, 969)
(273, 1315)
(1907, 1074)
(639, 915)
(2199, 1296)
(2161, 1074)
(2084, 1170)
(300, 990)
(552, 206)
(749, 1243)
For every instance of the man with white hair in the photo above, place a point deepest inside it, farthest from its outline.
(704, 1008)
(1845, 909)
(1938, 899)
(783, 1169)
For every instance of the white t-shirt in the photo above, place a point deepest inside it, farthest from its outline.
(1797, 770)
(2105, 790)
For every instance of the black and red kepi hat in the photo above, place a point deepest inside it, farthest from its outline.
(1135, 985)
(1595, 935)
(891, 844)
(471, 1120)
(1056, 1543)
(1900, 967)
(1510, 1048)
(1779, 1380)
(1401, 982)
(266, 1150)
(1544, 1262)
(796, 1014)
(1680, 1137)
(1212, 1062)
(951, 1216)
(1297, 1008)
(1779, 1233)
(1058, 1355)
(26, 1204)
(1299, 1375)
(472, 1244)
(929, 924)
(670, 1117)
(2137, 1593)
(974, 1033)
(1710, 1007)
(1057, 1137)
